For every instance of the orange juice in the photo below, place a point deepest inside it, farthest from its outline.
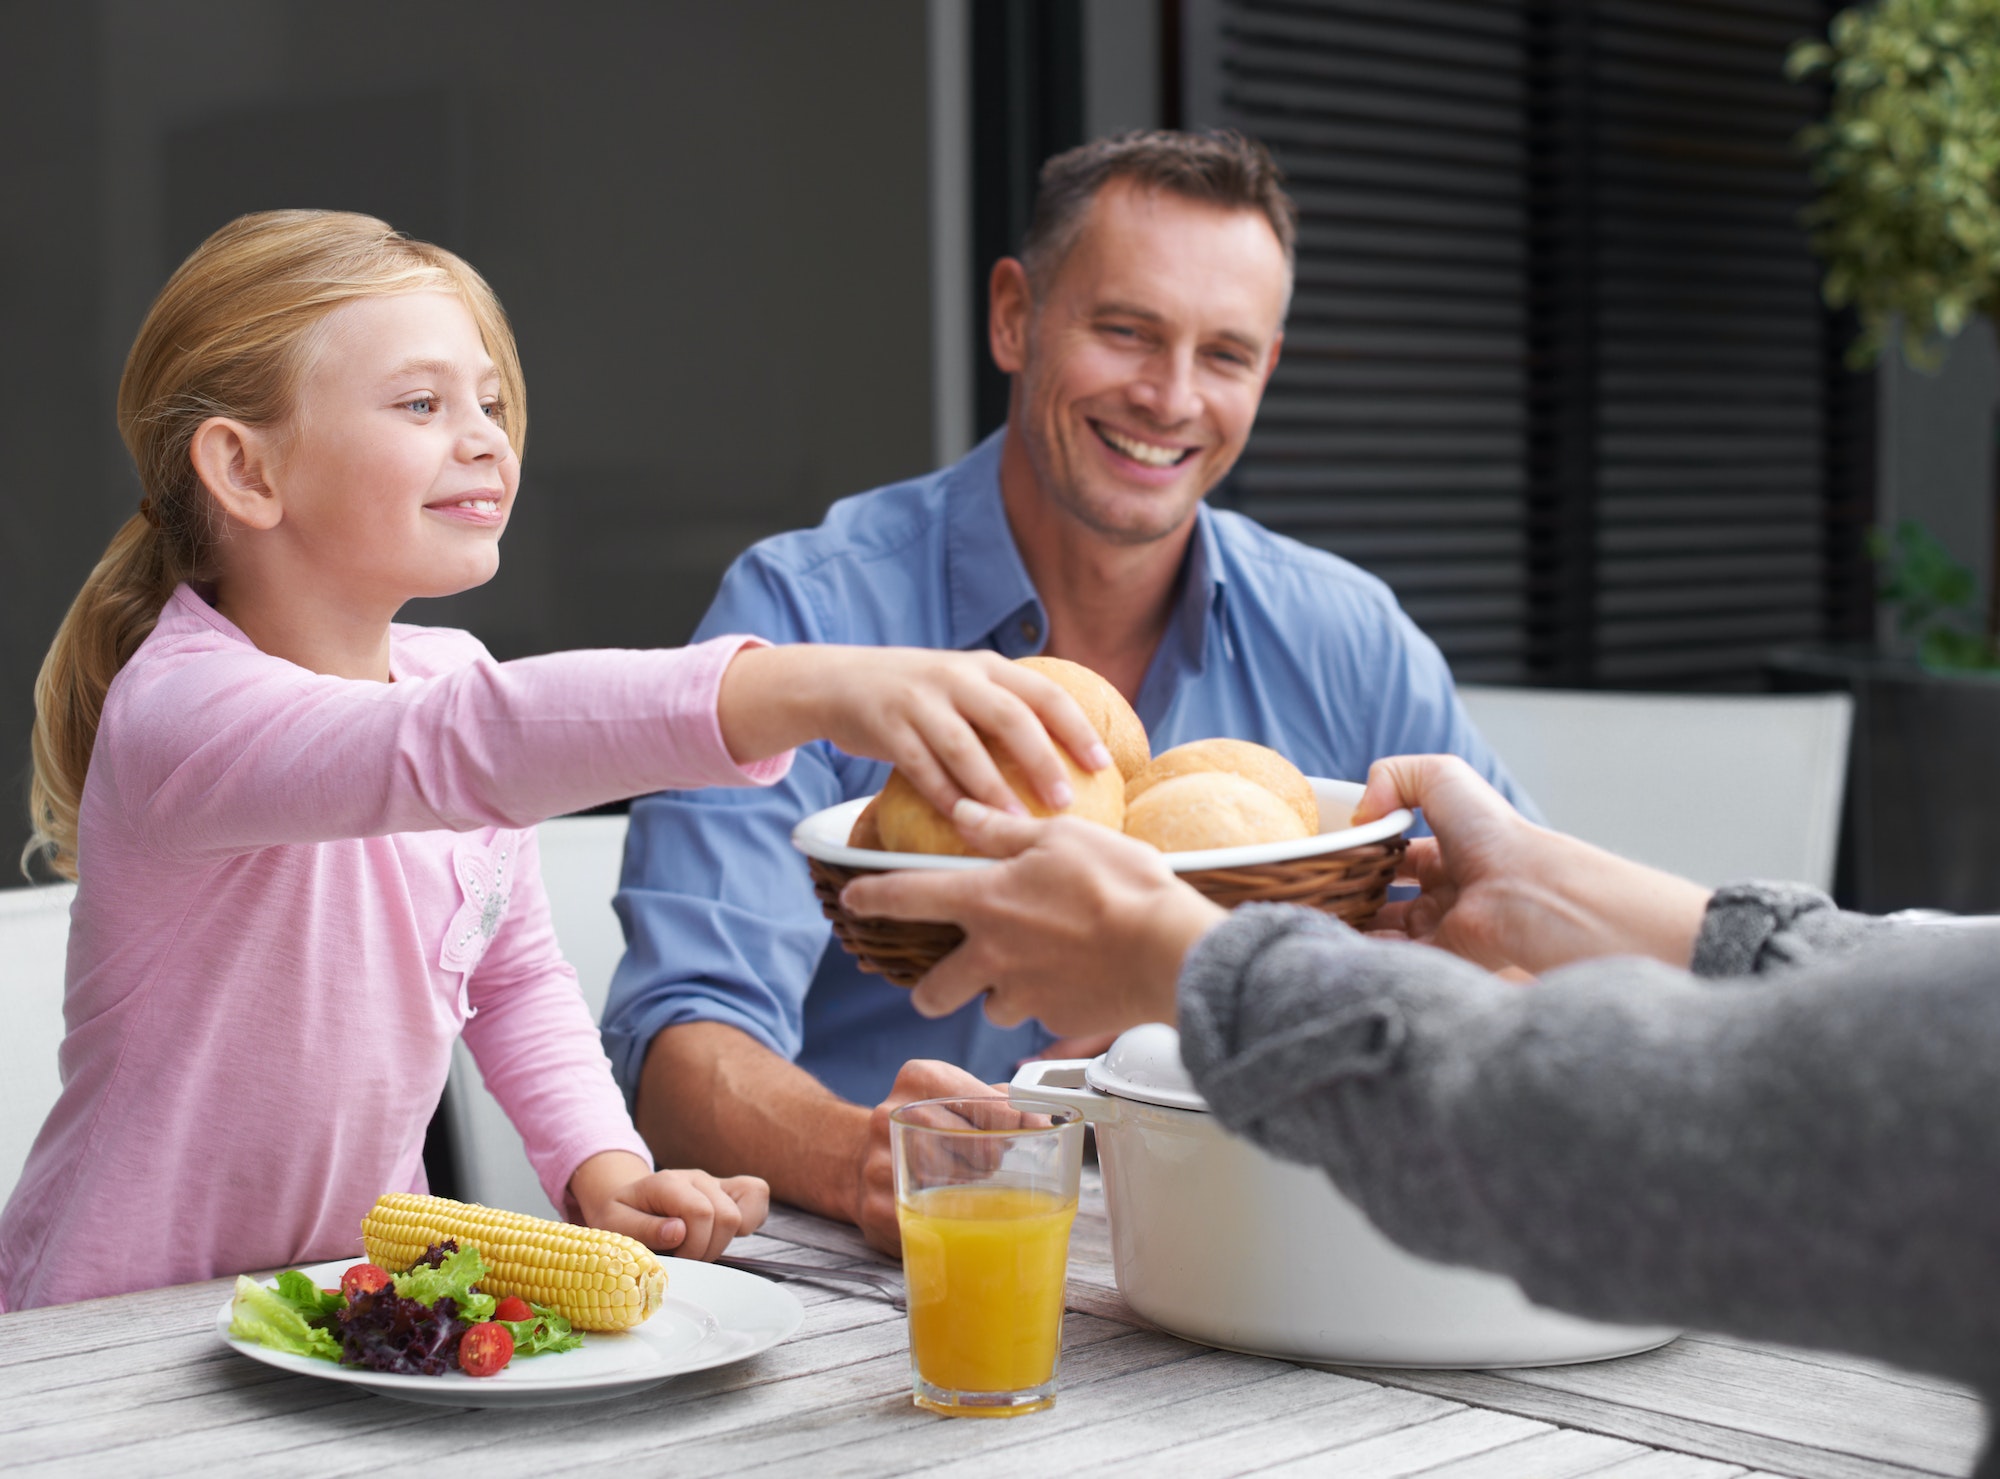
(984, 1266)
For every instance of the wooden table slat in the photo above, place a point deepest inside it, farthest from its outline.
(1552, 1453)
(1471, 1432)
(1161, 1417)
(1659, 1464)
(1147, 1368)
(1692, 1435)
(1773, 1393)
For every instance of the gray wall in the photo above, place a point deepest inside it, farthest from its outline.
(1121, 66)
(1936, 447)
(709, 223)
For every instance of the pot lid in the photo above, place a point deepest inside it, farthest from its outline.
(1145, 1064)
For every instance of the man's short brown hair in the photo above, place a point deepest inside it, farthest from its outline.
(1220, 167)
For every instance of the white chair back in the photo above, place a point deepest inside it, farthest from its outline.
(1715, 787)
(34, 950)
(581, 861)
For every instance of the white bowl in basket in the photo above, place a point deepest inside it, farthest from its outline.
(824, 834)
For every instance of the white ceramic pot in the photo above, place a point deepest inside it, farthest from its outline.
(1216, 1241)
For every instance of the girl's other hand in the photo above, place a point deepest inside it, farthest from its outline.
(689, 1214)
(929, 713)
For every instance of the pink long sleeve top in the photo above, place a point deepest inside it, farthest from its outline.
(294, 892)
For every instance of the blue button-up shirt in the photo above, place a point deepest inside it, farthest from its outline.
(1269, 641)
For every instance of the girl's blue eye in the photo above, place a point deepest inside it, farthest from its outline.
(495, 410)
(423, 405)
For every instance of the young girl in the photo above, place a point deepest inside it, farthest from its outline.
(301, 834)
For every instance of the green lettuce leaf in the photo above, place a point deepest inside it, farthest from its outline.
(315, 1303)
(451, 1279)
(262, 1316)
(546, 1334)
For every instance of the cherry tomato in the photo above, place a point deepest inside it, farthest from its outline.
(364, 1278)
(513, 1308)
(485, 1348)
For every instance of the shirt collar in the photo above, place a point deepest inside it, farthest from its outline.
(994, 603)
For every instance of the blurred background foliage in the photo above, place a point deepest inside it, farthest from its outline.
(1908, 167)
(1935, 600)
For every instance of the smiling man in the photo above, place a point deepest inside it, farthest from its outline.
(1139, 325)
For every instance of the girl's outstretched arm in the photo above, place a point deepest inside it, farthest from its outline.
(212, 748)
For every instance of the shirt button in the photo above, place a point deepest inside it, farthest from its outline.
(1030, 631)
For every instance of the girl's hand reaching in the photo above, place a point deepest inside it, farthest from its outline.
(927, 712)
(689, 1214)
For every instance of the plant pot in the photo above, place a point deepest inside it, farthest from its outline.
(1921, 824)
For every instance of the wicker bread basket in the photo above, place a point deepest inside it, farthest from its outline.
(1345, 872)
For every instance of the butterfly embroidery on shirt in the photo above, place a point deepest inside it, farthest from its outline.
(485, 877)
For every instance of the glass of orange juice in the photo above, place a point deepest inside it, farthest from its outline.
(985, 1194)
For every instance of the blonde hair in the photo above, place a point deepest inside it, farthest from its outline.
(231, 334)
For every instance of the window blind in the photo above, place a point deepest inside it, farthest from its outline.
(1557, 367)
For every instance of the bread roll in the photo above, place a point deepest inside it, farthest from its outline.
(866, 832)
(1256, 763)
(1210, 808)
(908, 823)
(1104, 706)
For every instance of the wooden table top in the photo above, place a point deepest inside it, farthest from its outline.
(139, 1385)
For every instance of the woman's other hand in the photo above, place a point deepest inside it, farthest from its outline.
(1499, 890)
(929, 713)
(1080, 927)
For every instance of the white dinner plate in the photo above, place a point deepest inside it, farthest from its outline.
(712, 1316)
(824, 835)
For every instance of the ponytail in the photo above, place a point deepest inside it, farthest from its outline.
(107, 621)
(230, 335)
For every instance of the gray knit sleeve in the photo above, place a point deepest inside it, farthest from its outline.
(1754, 929)
(1810, 1161)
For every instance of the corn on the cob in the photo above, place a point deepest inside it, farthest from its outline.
(596, 1280)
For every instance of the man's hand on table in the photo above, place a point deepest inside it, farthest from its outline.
(875, 1182)
(711, 1095)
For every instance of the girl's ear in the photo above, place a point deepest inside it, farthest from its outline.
(233, 462)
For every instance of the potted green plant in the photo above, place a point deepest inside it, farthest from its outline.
(1921, 825)
(1907, 222)
(1908, 167)
(1934, 601)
